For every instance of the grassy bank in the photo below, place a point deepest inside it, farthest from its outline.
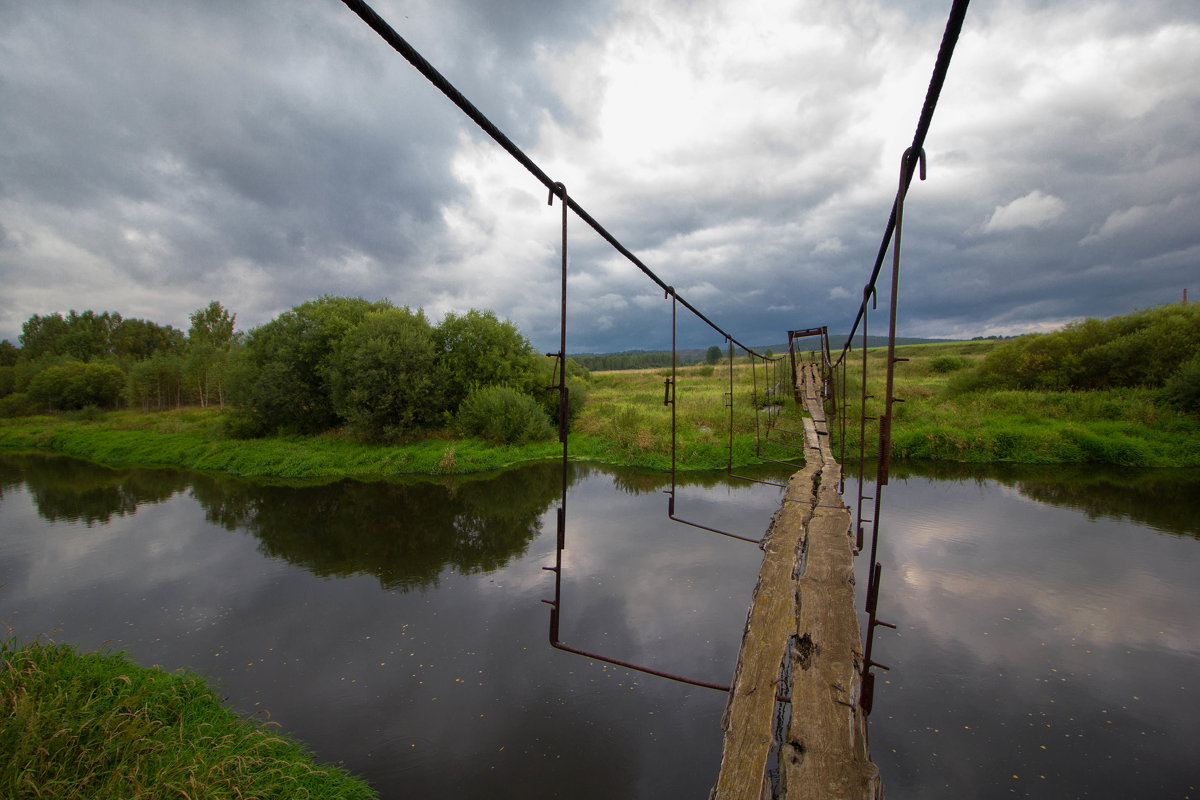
(939, 420)
(98, 726)
(624, 422)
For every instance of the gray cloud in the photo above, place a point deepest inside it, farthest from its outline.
(152, 159)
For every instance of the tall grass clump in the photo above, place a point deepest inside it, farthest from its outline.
(98, 726)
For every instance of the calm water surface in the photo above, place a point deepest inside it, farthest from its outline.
(1047, 643)
(399, 628)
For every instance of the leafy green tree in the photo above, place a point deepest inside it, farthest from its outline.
(80, 336)
(212, 326)
(210, 339)
(42, 336)
(713, 355)
(478, 350)
(8, 353)
(138, 339)
(284, 378)
(156, 383)
(89, 335)
(384, 378)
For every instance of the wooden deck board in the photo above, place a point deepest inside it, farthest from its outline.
(803, 609)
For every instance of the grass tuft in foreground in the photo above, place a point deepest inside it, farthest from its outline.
(97, 725)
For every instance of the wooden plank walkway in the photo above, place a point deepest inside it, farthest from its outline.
(802, 611)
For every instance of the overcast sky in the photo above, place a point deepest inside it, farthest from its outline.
(156, 156)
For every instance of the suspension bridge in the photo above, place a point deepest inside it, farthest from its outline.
(795, 724)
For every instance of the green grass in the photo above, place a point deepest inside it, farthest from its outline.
(98, 726)
(939, 421)
(624, 423)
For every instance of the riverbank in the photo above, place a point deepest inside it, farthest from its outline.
(96, 725)
(624, 423)
(179, 440)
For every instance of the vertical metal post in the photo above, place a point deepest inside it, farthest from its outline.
(729, 402)
(669, 397)
(885, 421)
(868, 292)
(561, 357)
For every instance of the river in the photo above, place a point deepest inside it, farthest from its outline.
(1046, 642)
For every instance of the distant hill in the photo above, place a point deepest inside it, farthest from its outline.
(649, 359)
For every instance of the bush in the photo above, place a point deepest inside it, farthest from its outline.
(236, 424)
(1182, 389)
(74, 385)
(85, 414)
(944, 364)
(15, 405)
(503, 415)
(577, 395)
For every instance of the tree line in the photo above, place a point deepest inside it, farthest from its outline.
(637, 359)
(104, 360)
(380, 371)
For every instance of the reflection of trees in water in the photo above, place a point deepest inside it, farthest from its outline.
(404, 534)
(70, 490)
(1164, 499)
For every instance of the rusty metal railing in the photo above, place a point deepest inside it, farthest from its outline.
(912, 160)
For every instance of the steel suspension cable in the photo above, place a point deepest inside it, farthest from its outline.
(949, 39)
(397, 42)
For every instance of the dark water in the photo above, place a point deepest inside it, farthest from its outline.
(1047, 643)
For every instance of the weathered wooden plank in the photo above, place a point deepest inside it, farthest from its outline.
(807, 577)
(750, 711)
